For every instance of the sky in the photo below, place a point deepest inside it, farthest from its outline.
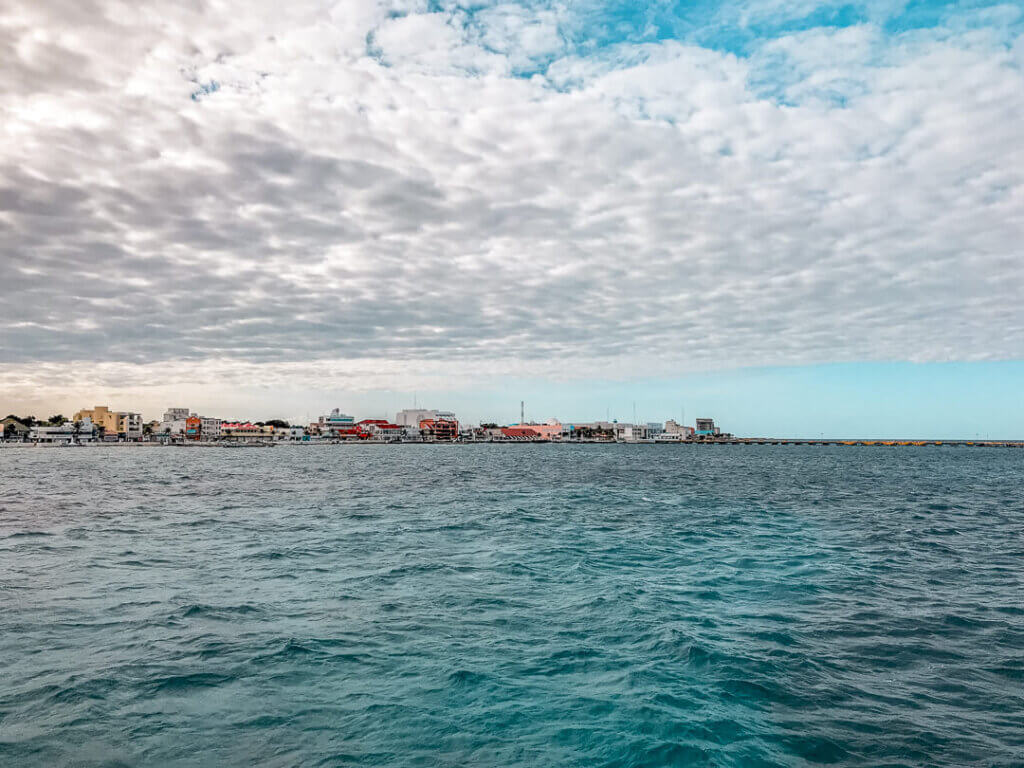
(797, 217)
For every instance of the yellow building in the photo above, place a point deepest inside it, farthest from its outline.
(120, 423)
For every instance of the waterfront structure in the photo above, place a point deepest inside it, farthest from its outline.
(125, 425)
(674, 428)
(411, 417)
(13, 429)
(381, 429)
(190, 426)
(198, 427)
(335, 424)
(630, 433)
(440, 429)
(68, 433)
(244, 431)
(520, 433)
(292, 434)
(175, 414)
(552, 429)
(706, 428)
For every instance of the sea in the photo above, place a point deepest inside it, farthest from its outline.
(512, 605)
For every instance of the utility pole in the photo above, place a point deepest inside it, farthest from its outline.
(522, 412)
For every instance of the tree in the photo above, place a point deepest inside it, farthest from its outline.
(276, 424)
(57, 420)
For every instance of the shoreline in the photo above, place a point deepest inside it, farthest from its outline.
(734, 441)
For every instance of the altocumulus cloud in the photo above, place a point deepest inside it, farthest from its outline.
(443, 188)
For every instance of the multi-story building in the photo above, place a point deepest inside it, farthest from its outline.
(201, 428)
(192, 426)
(630, 432)
(411, 417)
(175, 414)
(380, 428)
(706, 427)
(335, 424)
(675, 431)
(552, 429)
(124, 425)
(77, 431)
(244, 431)
(440, 429)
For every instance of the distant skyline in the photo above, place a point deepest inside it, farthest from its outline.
(797, 218)
(931, 400)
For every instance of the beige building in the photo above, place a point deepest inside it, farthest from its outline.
(120, 423)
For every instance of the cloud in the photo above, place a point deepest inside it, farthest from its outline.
(270, 188)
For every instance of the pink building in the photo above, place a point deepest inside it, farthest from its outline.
(550, 430)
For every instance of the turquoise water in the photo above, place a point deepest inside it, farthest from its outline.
(512, 606)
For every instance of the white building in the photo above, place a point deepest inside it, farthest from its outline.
(172, 426)
(83, 431)
(630, 432)
(411, 417)
(209, 428)
(674, 428)
(336, 422)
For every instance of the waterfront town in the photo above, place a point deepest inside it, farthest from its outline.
(181, 426)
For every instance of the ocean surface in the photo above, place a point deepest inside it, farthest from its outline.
(529, 605)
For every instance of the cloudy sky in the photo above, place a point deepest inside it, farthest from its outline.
(268, 208)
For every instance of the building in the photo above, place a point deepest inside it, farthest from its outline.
(520, 433)
(12, 429)
(201, 428)
(440, 429)
(289, 434)
(630, 432)
(552, 429)
(175, 414)
(209, 428)
(244, 431)
(335, 424)
(191, 426)
(380, 429)
(123, 425)
(706, 428)
(411, 417)
(68, 433)
(592, 430)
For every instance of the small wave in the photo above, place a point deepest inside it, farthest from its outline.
(177, 683)
(199, 610)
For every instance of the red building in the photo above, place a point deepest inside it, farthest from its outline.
(440, 429)
(193, 428)
(520, 433)
(378, 428)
